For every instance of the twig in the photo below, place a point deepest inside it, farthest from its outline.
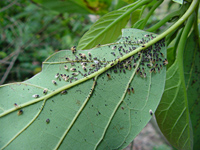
(10, 67)
(8, 6)
(8, 57)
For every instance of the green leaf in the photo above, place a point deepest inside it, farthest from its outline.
(170, 56)
(108, 28)
(171, 51)
(172, 112)
(105, 30)
(63, 6)
(135, 16)
(139, 23)
(99, 110)
(192, 76)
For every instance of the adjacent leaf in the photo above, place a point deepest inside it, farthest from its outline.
(139, 23)
(104, 105)
(71, 6)
(135, 16)
(171, 56)
(108, 28)
(192, 76)
(171, 51)
(172, 114)
(105, 30)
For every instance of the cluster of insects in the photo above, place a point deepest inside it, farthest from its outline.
(79, 65)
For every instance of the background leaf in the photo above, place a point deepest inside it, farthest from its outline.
(78, 6)
(105, 30)
(93, 113)
(135, 16)
(192, 76)
(108, 28)
(171, 114)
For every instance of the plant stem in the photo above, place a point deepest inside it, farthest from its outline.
(150, 13)
(168, 17)
(177, 24)
(181, 48)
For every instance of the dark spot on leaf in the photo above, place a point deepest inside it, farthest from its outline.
(48, 121)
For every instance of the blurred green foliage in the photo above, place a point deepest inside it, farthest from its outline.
(34, 33)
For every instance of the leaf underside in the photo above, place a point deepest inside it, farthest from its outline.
(96, 113)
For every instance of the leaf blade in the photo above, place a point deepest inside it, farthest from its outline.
(171, 114)
(70, 115)
(105, 33)
(102, 31)
(191, 69)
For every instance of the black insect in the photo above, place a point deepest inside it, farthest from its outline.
(15, 104)
(138, 70)
(165, 62)
(132, 89)
(108, 75)
(20, 112)
(129, 91)
(150, 112)
(67, 58)
(75, 74)
(73, 49)
(35, 96)
(90, 55)
(82, 55)
(134, 65)
(54, 82)
(84, 68)
(114, 47)
(65, 67)
(64, 92)
(151, 70)
(45, 91)
(73, 69)
(145, 75)
(57, 75)
(48, 121)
